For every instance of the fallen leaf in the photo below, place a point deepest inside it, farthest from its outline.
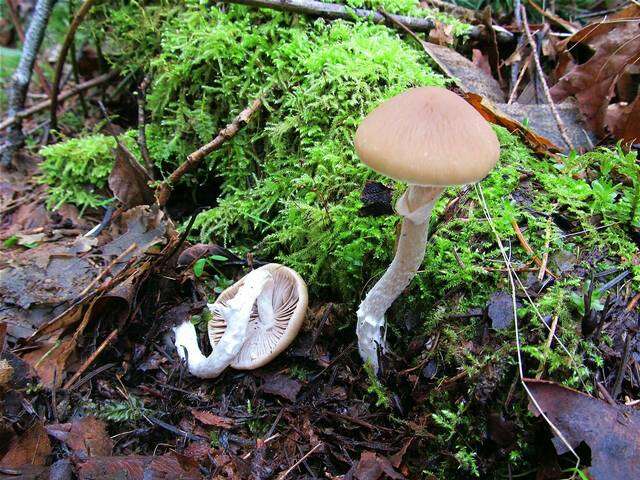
(282, 386)
(212, 420)
(611, 432)
(616, 44)
(128, 181)
(138, 467)
(32, 448)
(87, 436)
(374, 467)
(500, 310)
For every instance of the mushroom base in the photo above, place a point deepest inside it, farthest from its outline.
(236, 315)
(415, 206)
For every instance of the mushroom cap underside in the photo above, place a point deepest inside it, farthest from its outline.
(271, 329)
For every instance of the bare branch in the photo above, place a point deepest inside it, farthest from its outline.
(22, 76)
(193, 160)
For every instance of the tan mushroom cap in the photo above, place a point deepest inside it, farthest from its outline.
(428, 136)
(266, 339)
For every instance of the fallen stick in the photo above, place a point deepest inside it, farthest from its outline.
(38, 107)
(66, 44)
(545, 86)
(16, 23)
(163, 191)
(22, 76)
(336, 11)
(91, 359)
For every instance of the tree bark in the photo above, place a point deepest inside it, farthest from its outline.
(22, 77)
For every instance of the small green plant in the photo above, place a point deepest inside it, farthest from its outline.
(299, 372)
(130, 410)
(467, 460)
(376, 388)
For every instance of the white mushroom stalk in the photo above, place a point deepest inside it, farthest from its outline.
(236, 313)
(415, 206)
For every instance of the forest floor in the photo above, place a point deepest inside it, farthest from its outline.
(193, 143)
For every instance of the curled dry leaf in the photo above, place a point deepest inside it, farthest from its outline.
(616, 44)
(87, 437)
(611, 432)
(128, 181)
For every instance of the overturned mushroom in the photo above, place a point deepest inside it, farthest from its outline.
(429, 138)
(275, 320)
(253, 321)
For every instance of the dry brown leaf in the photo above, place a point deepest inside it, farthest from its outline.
(31, 448)
(611, 432)
(138, 467)
(87, 437)
(616, 43)
(128, 181)
(212, 420)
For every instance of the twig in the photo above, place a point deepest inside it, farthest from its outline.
(104, 272)
(626, 353)
(163, 191)
(68, 39)
(634, 301)
(74, 66)
(605, 394)
(284, 475)
(527, 247)
(545, 255)
(16, 23)
(545, 87)
(22, 76)
(91, 359)
(38, 107)
(335, 11)
(568, 26)
(515, 67)
(142, 125)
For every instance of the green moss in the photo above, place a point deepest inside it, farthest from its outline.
(77, 169)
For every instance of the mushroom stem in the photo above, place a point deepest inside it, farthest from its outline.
(236, 315)
(415, 206)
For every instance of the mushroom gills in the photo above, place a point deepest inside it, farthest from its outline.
(236, 314)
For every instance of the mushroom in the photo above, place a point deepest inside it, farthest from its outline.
(275, 321)
(252, 322)
(429, 138)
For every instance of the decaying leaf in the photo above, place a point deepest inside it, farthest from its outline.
(616, 45)
(212, 420)
(30, 448)
(87, 437)
(128, 181)
(138, 467)
(374, 467)
(611, 432)
(282, 386)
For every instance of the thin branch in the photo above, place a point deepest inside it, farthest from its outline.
(545, 87)
(335, 11)
(91, 359)
(38, 107)
(66, 44)
(16, 23)
(193, 160)
(22, 76)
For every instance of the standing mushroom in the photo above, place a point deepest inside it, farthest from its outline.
(429, 138)
(253, 321)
